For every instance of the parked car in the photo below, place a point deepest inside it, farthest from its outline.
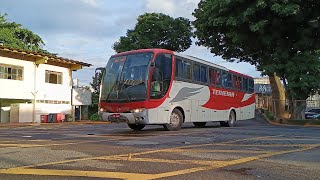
(312, 114)
(316, 116)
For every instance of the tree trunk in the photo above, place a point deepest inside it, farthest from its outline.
(298, 109)
(279, 97)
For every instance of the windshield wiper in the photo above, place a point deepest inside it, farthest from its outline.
(115, 83)
(135, 83)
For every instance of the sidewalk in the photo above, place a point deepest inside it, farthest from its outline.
(8, 125)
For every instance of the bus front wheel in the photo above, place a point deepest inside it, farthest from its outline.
(136, 127)
(230, 122)
(176, 120)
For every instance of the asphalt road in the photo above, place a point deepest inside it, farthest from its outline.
(251, 150)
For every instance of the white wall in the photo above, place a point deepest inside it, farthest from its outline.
(47, 91)
(25, 113)
(81, 96)
(22, 113)
(14, 89)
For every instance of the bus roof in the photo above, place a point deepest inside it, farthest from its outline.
(158, 50)
(210, 64)
(200, 61)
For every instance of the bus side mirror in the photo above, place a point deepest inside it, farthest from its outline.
(98, 73)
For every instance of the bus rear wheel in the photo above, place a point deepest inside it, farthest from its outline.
(136, 127)
(231, 121)
(200, 124)
(176, 120)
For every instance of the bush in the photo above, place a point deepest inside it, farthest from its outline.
(94, 117)
(269, 115)
(69, 118)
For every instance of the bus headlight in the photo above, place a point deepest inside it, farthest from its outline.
(138, 110)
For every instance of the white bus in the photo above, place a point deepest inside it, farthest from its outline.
(162, 87)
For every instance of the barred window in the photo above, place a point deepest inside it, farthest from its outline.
(53, 77)
(11, 72)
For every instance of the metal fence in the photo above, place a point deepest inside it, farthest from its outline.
(268, 103)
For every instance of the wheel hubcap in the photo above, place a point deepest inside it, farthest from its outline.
(174, 119)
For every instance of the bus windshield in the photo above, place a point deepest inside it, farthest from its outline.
(125, 78)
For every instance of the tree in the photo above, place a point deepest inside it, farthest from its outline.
(95, 84)
(156, 30)
(14, 36)
(274, 35)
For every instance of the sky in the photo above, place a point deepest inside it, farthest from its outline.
(85, 30)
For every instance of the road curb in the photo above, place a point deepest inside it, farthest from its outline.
(278, 124)
(14, 125)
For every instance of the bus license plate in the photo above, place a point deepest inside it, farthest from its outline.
(116, 115)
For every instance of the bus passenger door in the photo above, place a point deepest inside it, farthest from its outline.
(160, 80)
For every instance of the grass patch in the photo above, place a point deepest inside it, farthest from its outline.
(298, 122)
(304, 122)
(268, 114)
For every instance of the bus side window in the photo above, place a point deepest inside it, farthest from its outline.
(239, 83)
(204, 74)
(196, 72)
(187, 70)
(179, 68)
(215, 78)
(235, 82)
(251, 86)
(218, 77)
(229, 80)
(161, 76)
(245, 84)
(224, 79)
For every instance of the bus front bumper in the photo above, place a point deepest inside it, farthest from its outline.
(130, 118)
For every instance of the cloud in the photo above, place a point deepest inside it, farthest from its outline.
(175, 8)
(86, 29)
(164, 6)
(90, 2)
(91, 18)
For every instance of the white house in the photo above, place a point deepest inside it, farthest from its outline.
(32, 84)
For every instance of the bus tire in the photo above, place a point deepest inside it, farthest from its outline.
(136, 127)
(199, 124)
(231, 121)
(176, 120)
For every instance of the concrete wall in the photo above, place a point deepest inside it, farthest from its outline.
(14, 113)
(22, 113)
